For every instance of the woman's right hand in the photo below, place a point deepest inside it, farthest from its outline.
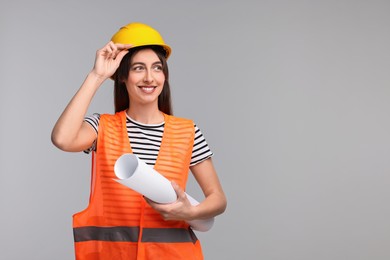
(108, 59)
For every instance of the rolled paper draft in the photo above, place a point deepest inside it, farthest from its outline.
(137, 175)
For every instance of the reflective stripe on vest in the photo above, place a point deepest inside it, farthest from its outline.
(130, 234)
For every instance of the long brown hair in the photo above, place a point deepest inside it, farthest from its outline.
(121, 96)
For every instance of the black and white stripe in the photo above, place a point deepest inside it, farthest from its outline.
(146, 139)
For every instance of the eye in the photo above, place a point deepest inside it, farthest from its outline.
(157, 68)
(138, 68)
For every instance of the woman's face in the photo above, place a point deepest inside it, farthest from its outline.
(146, 78)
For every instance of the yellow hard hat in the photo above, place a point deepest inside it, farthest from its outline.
(139, 34)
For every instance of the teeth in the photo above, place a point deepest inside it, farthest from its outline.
(147, 89)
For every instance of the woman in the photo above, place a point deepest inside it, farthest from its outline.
(118, 222)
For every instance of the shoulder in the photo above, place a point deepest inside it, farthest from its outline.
(96, 117)
(113, 117)
(179, 120)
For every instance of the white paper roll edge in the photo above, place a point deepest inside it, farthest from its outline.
(137, 175)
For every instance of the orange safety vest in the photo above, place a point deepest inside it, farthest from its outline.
(118, 223)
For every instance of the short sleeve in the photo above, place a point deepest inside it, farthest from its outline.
(93, 120)
(201, 150)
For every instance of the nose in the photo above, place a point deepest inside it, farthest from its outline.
(148, 76)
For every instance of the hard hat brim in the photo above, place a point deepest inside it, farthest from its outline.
(166, 48)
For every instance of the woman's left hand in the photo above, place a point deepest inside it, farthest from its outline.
(181, 209)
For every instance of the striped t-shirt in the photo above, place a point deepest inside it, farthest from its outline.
(145, 140)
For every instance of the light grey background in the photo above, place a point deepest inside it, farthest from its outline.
(292, 96)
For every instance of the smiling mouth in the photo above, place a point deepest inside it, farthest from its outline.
(147, 89)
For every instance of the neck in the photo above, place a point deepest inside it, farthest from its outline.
(145, 114)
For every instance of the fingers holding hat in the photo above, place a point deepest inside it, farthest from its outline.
(109, 57)
(121, 50)
(111, 50)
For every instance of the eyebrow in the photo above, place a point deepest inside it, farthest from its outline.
(141, 63)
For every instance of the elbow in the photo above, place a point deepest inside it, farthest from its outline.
(56, 140)
(223, 205)
(59, 141)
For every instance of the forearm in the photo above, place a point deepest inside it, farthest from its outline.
(215, 200)
(211, 206)
(69, 123)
